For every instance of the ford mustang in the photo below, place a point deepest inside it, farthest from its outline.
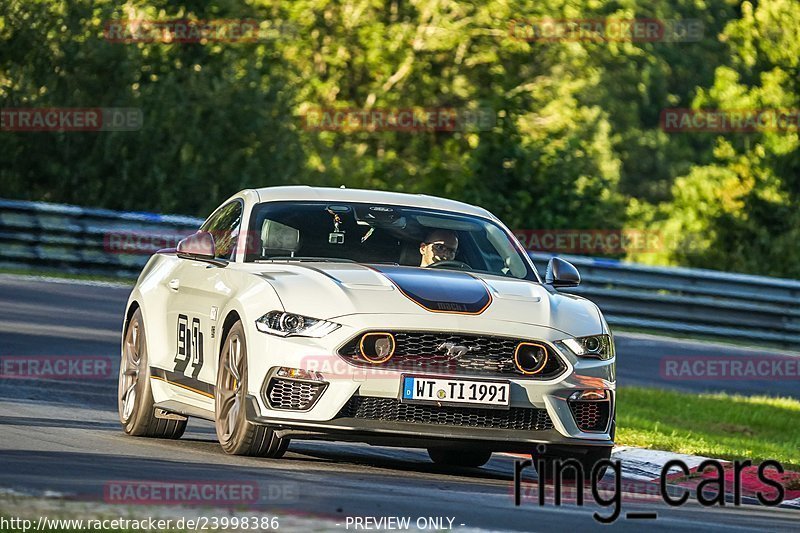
(352, 315)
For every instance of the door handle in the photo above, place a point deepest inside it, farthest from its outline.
(174, 284)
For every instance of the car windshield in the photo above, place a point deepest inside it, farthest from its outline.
(379, 233)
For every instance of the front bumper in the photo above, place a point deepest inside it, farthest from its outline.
(343, 381)
(422, 436)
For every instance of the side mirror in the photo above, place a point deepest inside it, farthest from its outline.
(199, 246)
(561, 273)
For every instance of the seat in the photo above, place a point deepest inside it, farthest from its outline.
(409, 254)
(274, 239)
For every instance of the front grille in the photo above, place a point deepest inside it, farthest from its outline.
(420, 351)
(293, 394)
(392, 410)
(591, 416)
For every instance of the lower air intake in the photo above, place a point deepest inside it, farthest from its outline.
(392, 410)
(591, 416)
(292, 394)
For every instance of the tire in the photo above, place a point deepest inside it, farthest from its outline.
(462, 458)
(585, 457)
(134, 395)
(236, 434)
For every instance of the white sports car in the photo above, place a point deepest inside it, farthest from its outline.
(387, 318)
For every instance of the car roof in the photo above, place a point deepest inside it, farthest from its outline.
(304, 192)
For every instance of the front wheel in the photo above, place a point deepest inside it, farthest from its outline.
(463, 458)
(236, 434)
(586, 458)
(134, 395)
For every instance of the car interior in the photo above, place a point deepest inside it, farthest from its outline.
(367, 234)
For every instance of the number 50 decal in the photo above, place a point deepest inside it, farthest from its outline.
(190, 346)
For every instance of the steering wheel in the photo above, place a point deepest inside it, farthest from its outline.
(454, 264)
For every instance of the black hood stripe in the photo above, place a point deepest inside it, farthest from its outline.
(440, 291)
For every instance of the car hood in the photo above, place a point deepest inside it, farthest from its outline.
(330, 290)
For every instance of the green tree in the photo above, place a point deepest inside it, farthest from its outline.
(742, 207)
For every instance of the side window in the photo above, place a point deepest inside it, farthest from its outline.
(224, 226)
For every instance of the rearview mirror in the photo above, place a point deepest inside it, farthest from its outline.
(198, 246)
(561, 273)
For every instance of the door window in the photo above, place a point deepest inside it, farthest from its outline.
(224, 226)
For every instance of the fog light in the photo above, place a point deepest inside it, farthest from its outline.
(299, 373)
(377, 347)
(530, 357)
(588, 395)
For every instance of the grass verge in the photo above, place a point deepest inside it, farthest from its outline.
(714, 425)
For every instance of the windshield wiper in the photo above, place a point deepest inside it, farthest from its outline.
(306, 259)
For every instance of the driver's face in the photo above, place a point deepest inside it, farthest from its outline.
(438, 246)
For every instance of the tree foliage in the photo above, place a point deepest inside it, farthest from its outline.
(576, 142)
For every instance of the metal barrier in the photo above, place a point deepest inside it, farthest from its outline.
(65, 238)
(689, 300)
(50, 237)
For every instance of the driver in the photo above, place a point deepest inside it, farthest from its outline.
(439, 245)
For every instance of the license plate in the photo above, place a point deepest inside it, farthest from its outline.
(444, 391)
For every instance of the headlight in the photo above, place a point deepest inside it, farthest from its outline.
(291, 325)
(597, 346)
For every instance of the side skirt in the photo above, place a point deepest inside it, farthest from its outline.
(171, 406)
(185, 383)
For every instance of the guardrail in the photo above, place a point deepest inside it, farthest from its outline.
(51, 237)
(689, 300)
(66, 238)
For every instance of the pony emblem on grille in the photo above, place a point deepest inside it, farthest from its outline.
(454, 351)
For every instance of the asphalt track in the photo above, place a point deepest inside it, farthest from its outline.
(64, 437)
